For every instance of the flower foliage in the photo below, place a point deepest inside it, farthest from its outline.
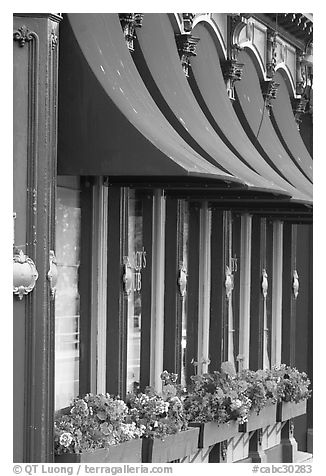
(219, 397)
(99, 421)
(292, 385)
(161, 414)
(261, 387)
(93, 422)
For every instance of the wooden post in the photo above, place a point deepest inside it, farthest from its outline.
(35, 70)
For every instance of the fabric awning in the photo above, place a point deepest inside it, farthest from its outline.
(254, 117)
(287, 128)
(158, 61)
(209, 88)
(108, 122)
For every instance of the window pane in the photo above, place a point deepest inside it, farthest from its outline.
(67, 313)
(137, 262)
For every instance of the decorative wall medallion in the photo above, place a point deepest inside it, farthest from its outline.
(264, 283)
(295, 284)
(229, 282)
(127, 276)
(186, 45)
(24, 274)
(130, 21)
(182, 280)
(53, 274)
(23, 35)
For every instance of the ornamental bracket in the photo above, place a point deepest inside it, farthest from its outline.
(129, 22)
(182, 280)
(270, 88)
(186, 44)
(53, 274)
(295, 284)
(232, 72)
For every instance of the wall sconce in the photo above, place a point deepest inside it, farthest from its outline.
(24, 274)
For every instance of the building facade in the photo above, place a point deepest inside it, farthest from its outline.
(162, 209)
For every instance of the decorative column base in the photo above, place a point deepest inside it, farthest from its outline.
(288, 443)
(256, 451)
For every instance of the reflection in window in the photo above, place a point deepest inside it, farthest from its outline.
(184, 255)
(137, 260)
(67, 312)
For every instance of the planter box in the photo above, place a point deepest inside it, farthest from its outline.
(266, 417)
(212, 432)
(173, 447)
(128, 452)
(288, 410)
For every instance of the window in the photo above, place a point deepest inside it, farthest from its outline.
(67, 302)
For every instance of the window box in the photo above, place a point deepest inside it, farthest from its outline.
(266, 417)
(127, 452)
(287, 410)
(212, 432)
(173, 447)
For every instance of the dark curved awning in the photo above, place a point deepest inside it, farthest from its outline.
(254, 117)
(158, 61)
(209, 88)
(287, 129)
(108, 122)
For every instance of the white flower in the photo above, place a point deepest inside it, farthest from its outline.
(65, 439)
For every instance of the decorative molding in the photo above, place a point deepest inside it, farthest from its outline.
(23, 35)
(224, 449)
(54, 40)
(182, 280)
(188, 19)
(24, 274)
(129, 23)
(52, 274)
(186, 44)
(295, 284)
(269, 88)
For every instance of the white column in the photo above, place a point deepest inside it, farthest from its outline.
(99, 287)
(157, 311)
(245, 281)
(204, 288)
(277, 292)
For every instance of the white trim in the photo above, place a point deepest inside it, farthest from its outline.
(204, 287)
(245, 283)
(277, 293)
(157, 310)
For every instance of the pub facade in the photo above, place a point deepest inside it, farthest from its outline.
(162, 210)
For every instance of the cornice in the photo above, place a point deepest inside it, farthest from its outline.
(51, 16)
